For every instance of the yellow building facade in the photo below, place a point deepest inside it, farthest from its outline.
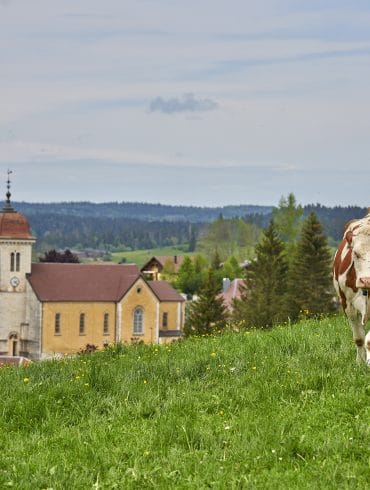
(68, 327)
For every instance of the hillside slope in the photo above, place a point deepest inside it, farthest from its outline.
(286, 408)
(143, 225)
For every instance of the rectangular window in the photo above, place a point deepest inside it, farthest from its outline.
(12, 257)
(57, 324)
(18, 262)
(165, 320)
(82, 323)
(106, 324)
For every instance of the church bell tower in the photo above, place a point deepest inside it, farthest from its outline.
(16, 243)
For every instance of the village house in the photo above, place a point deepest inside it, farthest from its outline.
(49, 309)
(154, 267)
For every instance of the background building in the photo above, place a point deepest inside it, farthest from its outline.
(49, 309)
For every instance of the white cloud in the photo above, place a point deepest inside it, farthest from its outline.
(54, 155)
(187, 103)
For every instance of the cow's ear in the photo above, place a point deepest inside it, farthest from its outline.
(348, 236)
(348, 223)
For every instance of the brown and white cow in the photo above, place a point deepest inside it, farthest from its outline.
(351, 277)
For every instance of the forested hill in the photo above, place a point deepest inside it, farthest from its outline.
(143, 226)
(140, 211)
(332, 219)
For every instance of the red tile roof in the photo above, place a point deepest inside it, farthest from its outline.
(14, 225)
(164, 291)
(14, 361)
(82, 282)
(232, 292)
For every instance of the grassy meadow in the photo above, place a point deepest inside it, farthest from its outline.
(282, 409)
(140, 257)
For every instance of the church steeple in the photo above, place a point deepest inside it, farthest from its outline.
(8, 206)
(16, 242)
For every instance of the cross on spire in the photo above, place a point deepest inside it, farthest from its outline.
(8, 207)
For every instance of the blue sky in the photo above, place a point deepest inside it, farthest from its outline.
(203, 102)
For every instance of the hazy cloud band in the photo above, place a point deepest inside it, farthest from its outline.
(188, 103)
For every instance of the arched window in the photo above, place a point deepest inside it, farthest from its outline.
(12, 259)
(13, 344)
(17, 261)
(138, 321)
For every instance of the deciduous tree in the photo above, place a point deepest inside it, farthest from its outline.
(288, 218)
(66, 257)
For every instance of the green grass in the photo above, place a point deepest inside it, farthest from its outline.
(282, 409)
(140, 257)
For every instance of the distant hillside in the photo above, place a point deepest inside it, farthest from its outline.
(334, 219)
(124, 226)
(139, 210)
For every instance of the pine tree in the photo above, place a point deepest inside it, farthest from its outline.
(208, 313)
(200, 271)
(263, 300)
(216, 261)
(310, 287)
(192, 240)
(216, 266)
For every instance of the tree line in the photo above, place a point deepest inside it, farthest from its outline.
(139, 210)
(289, 277)
(107, 233)
(133, 226)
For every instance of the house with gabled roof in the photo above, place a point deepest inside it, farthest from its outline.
(49, 309)
(153, 267)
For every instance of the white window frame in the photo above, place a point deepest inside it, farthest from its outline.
(138, 321)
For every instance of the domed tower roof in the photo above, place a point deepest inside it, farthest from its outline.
(12, 223)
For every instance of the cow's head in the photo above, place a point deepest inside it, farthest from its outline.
(359, 242)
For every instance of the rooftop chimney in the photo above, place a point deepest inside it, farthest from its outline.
(225, 284)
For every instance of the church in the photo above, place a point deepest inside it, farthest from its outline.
(52, 309)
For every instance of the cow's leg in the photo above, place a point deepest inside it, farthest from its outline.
(367, 347)
(358, 335)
